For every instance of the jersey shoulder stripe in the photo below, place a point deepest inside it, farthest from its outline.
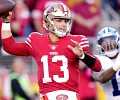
(33, 35)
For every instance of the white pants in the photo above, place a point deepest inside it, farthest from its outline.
(61, 95)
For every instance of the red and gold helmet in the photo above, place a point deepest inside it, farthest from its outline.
(57, 10)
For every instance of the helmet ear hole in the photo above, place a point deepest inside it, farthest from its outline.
(45, 21)
(46, 24)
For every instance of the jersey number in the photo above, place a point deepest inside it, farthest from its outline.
(116, 90)
(63, 68)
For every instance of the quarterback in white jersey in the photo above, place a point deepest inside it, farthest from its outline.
(108, 42)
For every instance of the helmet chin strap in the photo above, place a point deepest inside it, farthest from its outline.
(59, 34)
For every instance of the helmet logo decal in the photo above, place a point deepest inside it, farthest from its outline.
(62, 97)
(51, 9)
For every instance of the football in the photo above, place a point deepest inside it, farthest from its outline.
(5, 7)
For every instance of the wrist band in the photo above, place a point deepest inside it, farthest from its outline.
(83, 56)
(88, 60)
(5, 26)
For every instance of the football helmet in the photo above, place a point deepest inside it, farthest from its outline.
(108, 42)
(60, 11)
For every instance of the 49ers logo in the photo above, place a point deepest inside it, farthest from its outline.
(51, 9)
(62, 97)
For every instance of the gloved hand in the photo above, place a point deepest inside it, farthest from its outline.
(116, 66)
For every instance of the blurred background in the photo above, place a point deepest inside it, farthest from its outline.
(89, 17)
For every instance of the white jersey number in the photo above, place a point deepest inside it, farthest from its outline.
(63, 68)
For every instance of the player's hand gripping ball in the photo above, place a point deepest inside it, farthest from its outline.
(5, 7)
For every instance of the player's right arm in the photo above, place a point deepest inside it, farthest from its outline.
(104, 75)
(8, 42)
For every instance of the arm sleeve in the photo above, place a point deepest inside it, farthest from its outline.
(16, 48)
(16, 88)
(92, 62)
(97, 66)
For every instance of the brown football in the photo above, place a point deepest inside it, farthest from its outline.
(6, 6)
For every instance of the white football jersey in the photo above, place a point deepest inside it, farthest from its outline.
(112, 87)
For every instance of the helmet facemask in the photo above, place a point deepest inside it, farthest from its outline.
(108, 43)
(109, 46)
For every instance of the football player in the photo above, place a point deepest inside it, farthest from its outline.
(108, 41)
(57, 53)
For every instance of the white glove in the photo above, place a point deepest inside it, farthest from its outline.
(116, 66)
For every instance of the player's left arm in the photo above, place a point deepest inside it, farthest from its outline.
(81, 49)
